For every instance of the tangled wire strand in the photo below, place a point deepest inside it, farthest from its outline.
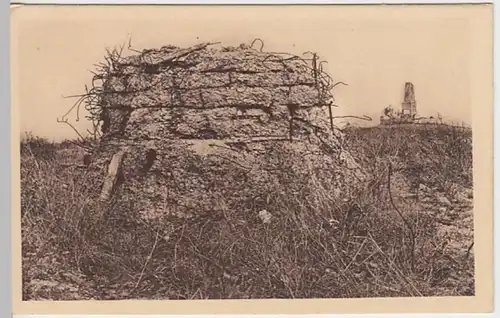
(92, 99)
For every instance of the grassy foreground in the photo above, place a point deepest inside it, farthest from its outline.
(407, 232)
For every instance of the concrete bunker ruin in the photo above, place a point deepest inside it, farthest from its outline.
(183, 125)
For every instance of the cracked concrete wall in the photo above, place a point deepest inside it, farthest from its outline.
(255, 90)
(217, 123)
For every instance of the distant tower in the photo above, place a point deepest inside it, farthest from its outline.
(409, 106)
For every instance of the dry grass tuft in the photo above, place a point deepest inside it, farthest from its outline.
(310, 246)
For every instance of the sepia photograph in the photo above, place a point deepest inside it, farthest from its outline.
(252, 152)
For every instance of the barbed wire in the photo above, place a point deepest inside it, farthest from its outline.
(96, 97)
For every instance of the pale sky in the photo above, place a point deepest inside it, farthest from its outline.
(375, 49)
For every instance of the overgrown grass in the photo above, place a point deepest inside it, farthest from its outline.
(438, 155)
(314, 246)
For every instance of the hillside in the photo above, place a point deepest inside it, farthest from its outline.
(404, 229)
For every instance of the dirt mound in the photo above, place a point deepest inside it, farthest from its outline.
(202, 126)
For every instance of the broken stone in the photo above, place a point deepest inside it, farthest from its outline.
(465, 197)
(443, 200)
(423, 188)
(265, 217)
(425, 200)
(469, 193)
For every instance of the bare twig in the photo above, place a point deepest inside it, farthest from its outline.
(364, 117)
(261, 46)
(340, 83)
(146, 262)
(185, 52)
(469, 249)
(355, 255)
(72, 127)
(130, 46)
(330, 113)
(394, 267)
(405, 221)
